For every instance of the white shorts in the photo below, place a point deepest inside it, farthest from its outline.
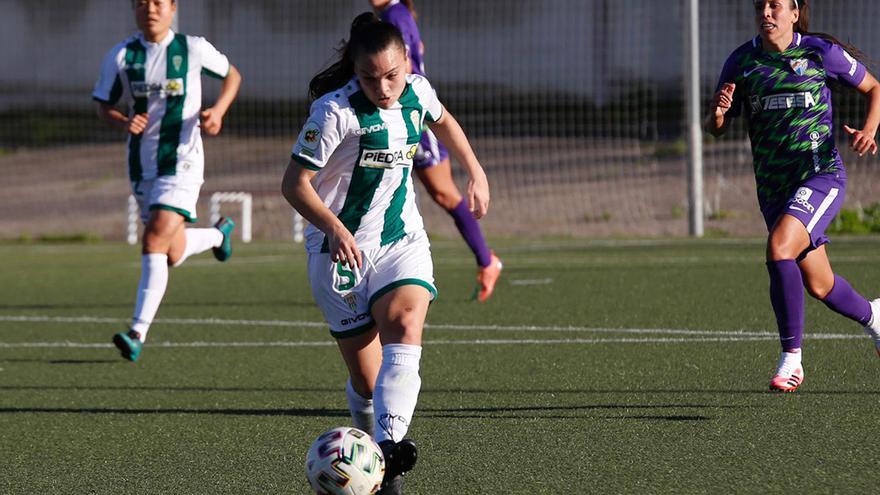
(168, 192)
(346, 295)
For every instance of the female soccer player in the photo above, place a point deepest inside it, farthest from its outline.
(431, 163)
(157, 74)
(369, 261)
(780, 79)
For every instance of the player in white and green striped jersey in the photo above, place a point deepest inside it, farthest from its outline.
(370, 263)
(156, 75)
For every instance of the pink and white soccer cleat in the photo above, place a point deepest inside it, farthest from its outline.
(787, 378)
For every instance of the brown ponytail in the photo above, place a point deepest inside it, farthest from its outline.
(368, 36)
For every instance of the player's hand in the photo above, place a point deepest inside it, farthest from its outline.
(478, 194)
(212, 121)
(861, 141)
(137, 123)
(343, 249)
(723, 99)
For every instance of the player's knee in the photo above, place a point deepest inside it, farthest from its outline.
(406, 327)
(818, 289)
(780, 248)
(447, 200)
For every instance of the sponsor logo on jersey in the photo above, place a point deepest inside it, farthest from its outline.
(388, 158)
(814, 146)
(855, 64)
(169, 87)
(799, 66)
(371, 129)
(784, 101)
(802, 198)
(311, 135)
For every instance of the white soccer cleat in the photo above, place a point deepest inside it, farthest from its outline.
(873, 326)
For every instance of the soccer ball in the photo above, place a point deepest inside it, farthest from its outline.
(345, 461)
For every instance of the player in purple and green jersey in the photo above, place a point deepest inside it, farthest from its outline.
(432, 159)
(779, 80)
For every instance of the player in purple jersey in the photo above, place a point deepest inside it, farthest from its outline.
(779, 80)
(432, 160)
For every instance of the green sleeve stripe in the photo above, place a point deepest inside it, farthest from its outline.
(304, 163)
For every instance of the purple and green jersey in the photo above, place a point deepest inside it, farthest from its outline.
(400, 16)
(787, 104)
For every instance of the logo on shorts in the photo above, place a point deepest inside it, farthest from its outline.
(351, 300)
(802, 198)
(311, 134)
(799, 66)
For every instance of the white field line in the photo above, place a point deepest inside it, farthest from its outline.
(328, 343)
(694, 336)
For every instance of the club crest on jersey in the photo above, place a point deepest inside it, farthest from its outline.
(799, 66)
(416, 118)
(177, 61)
(311, 135)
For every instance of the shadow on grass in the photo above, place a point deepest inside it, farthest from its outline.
(173, 410)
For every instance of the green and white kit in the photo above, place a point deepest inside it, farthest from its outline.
(163, 80)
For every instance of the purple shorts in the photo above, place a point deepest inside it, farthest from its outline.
(430, 152)
(815, 203)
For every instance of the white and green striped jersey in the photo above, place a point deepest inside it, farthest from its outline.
(164, 80)
(364, 157)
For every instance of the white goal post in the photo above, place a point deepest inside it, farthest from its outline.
(246, 200)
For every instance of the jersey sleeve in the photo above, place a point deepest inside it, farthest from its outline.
(214, 63)
(841, 66)
(319, 138)
(108, 88)
(427, 98)
(730, 74)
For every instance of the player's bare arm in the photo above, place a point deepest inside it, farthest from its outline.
(452, 135)
(862, 140)
(136, 124)
(298, 190)
(212, 117)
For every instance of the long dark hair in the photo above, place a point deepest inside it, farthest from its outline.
(368, 36)
(803, 26)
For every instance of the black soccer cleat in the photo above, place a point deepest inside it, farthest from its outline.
(400, 458)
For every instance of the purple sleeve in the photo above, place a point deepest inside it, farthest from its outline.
(402, 19)
(730, 74)
(841, 66)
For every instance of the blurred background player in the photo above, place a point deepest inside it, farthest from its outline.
(157, 74)
(432, 161)
(370, 265)
(780, 79)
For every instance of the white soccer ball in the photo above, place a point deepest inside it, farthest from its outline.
(345, 461)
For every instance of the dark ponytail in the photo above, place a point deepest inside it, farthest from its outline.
(368, 36)
(803, 26)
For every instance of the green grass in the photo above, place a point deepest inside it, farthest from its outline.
(571, 380)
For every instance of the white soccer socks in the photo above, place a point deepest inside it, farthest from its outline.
(151, 289)
(361, 409)
(397, 391)
(199, 241)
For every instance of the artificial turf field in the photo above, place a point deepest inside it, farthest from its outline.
(598, 367)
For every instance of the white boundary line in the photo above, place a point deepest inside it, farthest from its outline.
(692, 336)
(301, 343)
